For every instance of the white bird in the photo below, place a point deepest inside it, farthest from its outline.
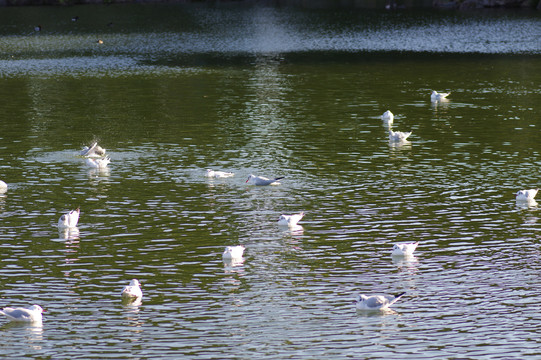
(218, 174)
(435, 96)
(98, 163)
(132, 291)
(404, 249)
(69, 219)
(290, 220)
(261, 181)
(29, 315)
(398, 136)
(93, 151)
(233, 252)
(3, 187)
(388, 117)
(376, 302)
(526, 195)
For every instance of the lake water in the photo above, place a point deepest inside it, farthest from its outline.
(173, 90)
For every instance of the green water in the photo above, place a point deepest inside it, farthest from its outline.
(175, 90)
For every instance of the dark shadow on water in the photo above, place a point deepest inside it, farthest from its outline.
(221, 60)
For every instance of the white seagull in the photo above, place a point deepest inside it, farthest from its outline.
(233, 252)
(436, 96)
(218, 174)
(29, 315)
(404, 249)
(3, 187)
(398, 136)
(70, 219)
(376, 302)
(290, 220)
(93, 151)
(526, 195)
(132, 291)
(261, 181)
(388, 117)
(98, 163)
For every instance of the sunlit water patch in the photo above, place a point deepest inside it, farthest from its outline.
(245, 33)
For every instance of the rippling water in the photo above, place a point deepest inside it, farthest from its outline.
(276, 92)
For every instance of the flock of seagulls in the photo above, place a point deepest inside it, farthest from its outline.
(95, 157)
(383, 302)
(131, 294)
(365, 302)
(394, 136)
(401, 137)
(233, 254)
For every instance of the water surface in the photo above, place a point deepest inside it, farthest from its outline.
(174, 90)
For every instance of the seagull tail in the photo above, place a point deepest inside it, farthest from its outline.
(279, 178)
(396, 297)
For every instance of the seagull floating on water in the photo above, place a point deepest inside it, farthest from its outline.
(28, 315)
(388, 117)
(93, 151)
(98, 163)
(70, 219)
(526, 195)
(233, 252)
(262, 181)
(397, 136)
(132, 291)
(404, 249)
(436, 96)
(376, 302)
(290, 220)
(218, 174)
(3, 187)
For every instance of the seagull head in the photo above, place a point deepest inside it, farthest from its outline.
(36, 308)
(250, 177)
